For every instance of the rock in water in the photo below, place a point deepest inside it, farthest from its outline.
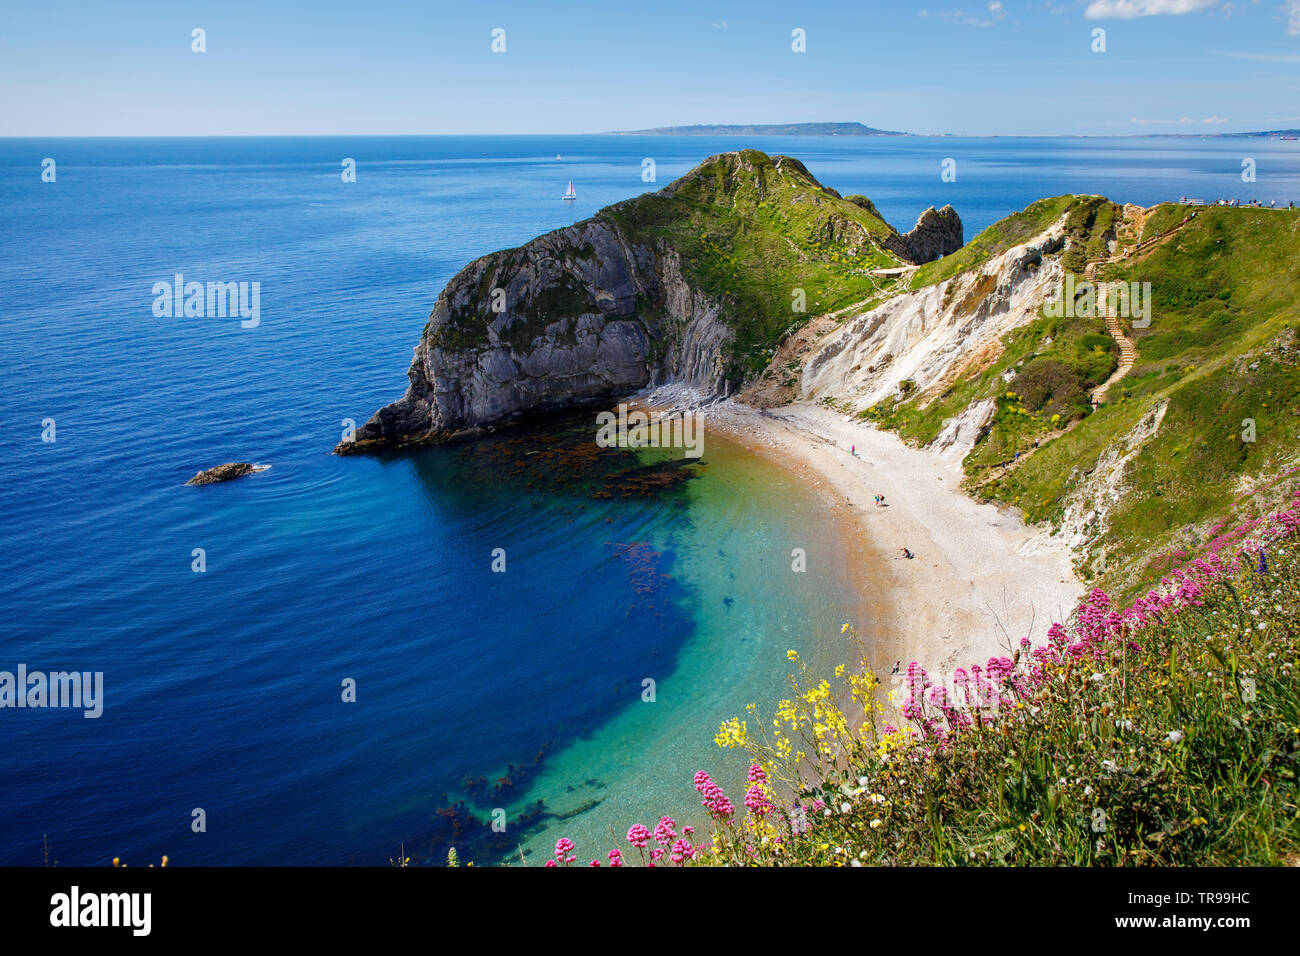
(695, 284)
(227, 472)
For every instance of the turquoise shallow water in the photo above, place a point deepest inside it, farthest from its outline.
(733, 554)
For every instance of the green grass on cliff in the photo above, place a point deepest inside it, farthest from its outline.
(995, 240)
(1089, 220)
(1040, 381)
(750, 230)
(1221, 349)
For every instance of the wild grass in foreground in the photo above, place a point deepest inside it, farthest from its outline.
(1167, 732)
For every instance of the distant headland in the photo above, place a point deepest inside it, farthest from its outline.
(761, 129)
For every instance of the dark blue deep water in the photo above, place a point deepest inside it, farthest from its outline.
(475, 690)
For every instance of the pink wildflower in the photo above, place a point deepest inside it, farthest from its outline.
(756, 800)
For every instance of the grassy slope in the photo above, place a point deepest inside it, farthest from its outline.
(1218, 349)
(750, 233)
(996, 239)
(1042, 379)
(749, 229)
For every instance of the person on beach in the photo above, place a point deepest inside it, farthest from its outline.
(853, 449)
(908, 554)
(897, 664)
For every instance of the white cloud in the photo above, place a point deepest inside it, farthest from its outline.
(1128, 9)
(1292, 10)
(995, 8)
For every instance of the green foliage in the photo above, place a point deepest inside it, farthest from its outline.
(1163, 218)
(750, 229)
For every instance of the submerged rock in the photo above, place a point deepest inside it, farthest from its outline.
(227, 472)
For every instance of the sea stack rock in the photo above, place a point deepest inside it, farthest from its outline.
(938, 232)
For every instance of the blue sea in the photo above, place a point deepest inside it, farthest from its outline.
(519, 695)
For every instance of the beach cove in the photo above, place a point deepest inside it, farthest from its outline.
(379, 570)
(981, 578)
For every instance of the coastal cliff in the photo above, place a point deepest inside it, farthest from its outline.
(748, 277)
(696, 284)
(1133, 436)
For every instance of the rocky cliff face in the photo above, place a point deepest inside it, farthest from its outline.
(579, 315)
(673, 286)
(938, 232)
(926, 338)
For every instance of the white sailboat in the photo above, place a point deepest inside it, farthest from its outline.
(569, 194)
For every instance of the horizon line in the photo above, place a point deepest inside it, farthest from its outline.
(1204, 135)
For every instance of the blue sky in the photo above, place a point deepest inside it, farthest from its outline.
(938, 66)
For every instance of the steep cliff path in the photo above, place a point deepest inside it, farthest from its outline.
(1127, 350)
(1127, 356)
(1137, 221)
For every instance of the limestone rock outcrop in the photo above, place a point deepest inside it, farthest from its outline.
(937, 233)
(690, 285)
